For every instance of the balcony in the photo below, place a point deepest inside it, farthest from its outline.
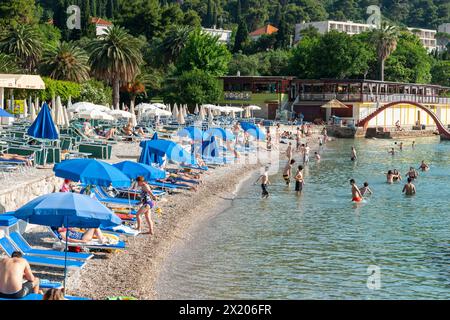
(384, 98)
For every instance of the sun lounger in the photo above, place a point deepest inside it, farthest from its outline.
(197, 167)
(9, 248)
(104, 197)
(166, 185)
(20, 243)
(94, 244)
(46, 284)
(37, 297)
(126, 230)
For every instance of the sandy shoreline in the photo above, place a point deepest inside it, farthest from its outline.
(134, 272)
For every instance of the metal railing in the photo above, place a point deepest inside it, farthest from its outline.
(365, 97)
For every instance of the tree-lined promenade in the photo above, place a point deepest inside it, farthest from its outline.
(158, 50)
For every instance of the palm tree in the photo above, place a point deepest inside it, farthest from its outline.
(147, 79)
(66, 61)
(24, 43)
(7, 64)
(115, 57)
(385, 40)
(174, 42)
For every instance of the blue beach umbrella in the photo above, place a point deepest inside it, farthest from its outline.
(67, 210)
(192, 133)
(170, 149)
(221, 133)
(253, 130)
(210, 148)
(43, 127)
(91, 172)
(147, 156)
(135, 169)
(4, 114)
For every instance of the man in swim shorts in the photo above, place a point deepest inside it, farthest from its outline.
(287, 172)
(423, 166)
(409, 189)
(13, 272)
(356, 194)
(299, 182)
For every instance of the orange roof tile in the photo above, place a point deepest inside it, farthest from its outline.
(100, 21)
(267, 29)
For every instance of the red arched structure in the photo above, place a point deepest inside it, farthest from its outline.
(443, 132)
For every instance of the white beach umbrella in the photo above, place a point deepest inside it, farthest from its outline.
(37, 107)
(54, 107)
(185, 111)
(59, 116)
(210, 114)
(196, 111)
(160, 105)
(253, 107)
(157, 112)
(25, 108)
(180, 118)
(175, 112)
(133, 115)
(120, 114)
(201, 114)
(66, 117)
(96, 115)
(32, 112)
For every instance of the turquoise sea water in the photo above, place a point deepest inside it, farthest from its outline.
(319, 245)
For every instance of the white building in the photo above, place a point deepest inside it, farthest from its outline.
(224, 35)
(101, 26)
(427, 36)
(445, 27)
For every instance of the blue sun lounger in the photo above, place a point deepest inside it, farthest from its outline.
(166, 185)
(20, 243)
(8, 247)
(119, 246)
(37, 297)
(104, 197)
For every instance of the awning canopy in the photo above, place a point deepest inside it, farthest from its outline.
(21, 81)
(334, 104)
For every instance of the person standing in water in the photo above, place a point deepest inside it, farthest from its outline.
(354, 156)
(409, 189)
(264, 178)
(289, 151)
(287, 172)
(413, 144)
(365, 189)
(306, 154)
(392, 151)
(423, 166)
(401, 146)
(356, 194)
(412, 173)
(299, 182)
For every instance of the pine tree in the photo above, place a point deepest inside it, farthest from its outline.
(110, 9)
(94, 8)
(215, 15)
(241, 36)
(209, 15)
(282, 36)
(238, 11)
(277, 17)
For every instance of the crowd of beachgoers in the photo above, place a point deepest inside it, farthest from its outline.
(176, 176)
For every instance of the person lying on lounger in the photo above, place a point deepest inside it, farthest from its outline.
(174, 181)
(6, 157)
(13, 272)
(129, 131)
(80, 237)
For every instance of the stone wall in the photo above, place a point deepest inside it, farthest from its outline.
(14, 196)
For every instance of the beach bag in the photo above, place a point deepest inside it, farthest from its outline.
(75, 249)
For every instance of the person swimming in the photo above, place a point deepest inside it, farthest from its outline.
(354, 156)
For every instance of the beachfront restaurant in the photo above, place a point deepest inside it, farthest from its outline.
(363, 97)
(269, 93)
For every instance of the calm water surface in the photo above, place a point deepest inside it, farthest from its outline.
(319, 245)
